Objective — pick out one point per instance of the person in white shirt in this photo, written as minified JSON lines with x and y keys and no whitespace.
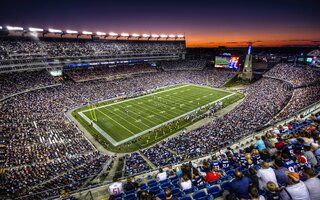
{"x":266,"y":174}
{"x":312,"y":183}
{"x":115,"y":188}
{"x":296,"y":189}
{"x":162,"y":175}
{"x":185,"y":183}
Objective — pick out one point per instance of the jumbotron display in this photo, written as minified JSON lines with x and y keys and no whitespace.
{"x":228,"y":62}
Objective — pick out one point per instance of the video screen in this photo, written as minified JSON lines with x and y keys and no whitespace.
{"x":227,"y":62}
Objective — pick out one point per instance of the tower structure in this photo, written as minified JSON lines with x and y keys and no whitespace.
{"x":247,"y":69}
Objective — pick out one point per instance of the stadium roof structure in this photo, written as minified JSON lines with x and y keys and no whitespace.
{"x":113,"y":35}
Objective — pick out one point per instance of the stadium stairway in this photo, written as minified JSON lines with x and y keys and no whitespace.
{"x":113,"y":169}
{"x":147,"y":160}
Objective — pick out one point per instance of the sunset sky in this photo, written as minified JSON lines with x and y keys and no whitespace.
{"x":206,"y":23}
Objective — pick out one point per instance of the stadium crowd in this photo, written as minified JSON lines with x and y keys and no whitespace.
{"x":183,"y":65}
{"x":298,"y":75}
{"x":283,"y":163}
{"x":301,"y":98}
{"x":35,"y":133}
{"x":38,"y":140}
{"x":27,"y":48}
{"x":11,"y":83}
{"x":134,"y":164}
{"x":81,"y":74}
{"x":160,"y":156}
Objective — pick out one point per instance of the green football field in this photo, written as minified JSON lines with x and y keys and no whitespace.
{"x":122,"y":121}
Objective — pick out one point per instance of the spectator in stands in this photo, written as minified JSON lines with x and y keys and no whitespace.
{"x":115,"y":188}
{"x":296,"y":189}
{"x":260,"y":144}
{"x":185,"y":182}
{"x":310,"y":156}
{"x":254,"y":193}
{"x":272,"y":191}
{"x":161,"y":176}
{"x":253,"y":176}
{"x":280,"y":172}
{"x":265,"y":175}
{"x":131,"y":184}
{"x":312,"y":183}
{"x":240,"y":185}
{"x":169,"y":195}
{"x":211,"y":176}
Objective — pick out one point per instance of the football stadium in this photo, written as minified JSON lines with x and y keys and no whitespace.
{"x":97,"y":115}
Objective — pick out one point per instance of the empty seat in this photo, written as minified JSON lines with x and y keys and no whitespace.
{"x":185,"y":198}
{"x":215,"y":191}
{"x":130,"y":197}
{"x":152,"y":183}
{"x":199,"y":194}
{"x":176,"y":192}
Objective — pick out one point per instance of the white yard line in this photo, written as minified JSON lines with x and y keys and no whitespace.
{"x":115,"y":143}
{"x":138,"y":97}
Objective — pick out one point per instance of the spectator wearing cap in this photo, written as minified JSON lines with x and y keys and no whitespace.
{"x":312,"y":183}
{"x":240,"y":185}
{"x":265,"y":175}
{"x":296,"y":189}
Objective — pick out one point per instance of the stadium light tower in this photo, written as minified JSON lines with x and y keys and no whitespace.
{"x":86,"y":33}
{"x":180,"y":36}
{"x":113,"y":34}
{"x":71,"y":32}
{"x":0,"y":27}
{"x":51,"y":30}
{"x":35,"y":29}
{"x":124,"y":34}
{"x":145,"y":35}
{"x":101,"y":33}
{"x":14,"y":28}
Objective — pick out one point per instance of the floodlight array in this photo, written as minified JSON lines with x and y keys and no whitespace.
{"x":71,"y":32}
{"x":35,"y":29}
{"x":98,"y":33}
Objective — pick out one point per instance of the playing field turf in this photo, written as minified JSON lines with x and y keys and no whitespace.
{"x":123,"y":121}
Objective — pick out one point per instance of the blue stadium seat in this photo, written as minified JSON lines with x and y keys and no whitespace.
{"x":185,"y":198}
{"x":212,"y":182}
{"x":152,"y":183}
{"x":161,"y":196}
{"x":215,"y":191}
{"x":155,"y":189}
{"x":225,"y":185}
{"x":207,"y":197}
{"x":176,"y":192}
{"x":199,"y":194}
{"x":164,"y":181}
{"x":143,"y":186}
{"x":130,"y":192}
{"x":201,"y":186}
{"x":166,"y":185}
{"x":176,"y":184}
{"x":189,"y":191}
{"x":130,"y":197}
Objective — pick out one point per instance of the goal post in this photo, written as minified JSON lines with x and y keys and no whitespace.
{"x":93,"y":114}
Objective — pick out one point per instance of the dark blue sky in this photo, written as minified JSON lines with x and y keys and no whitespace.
{"x":205,"y":23}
